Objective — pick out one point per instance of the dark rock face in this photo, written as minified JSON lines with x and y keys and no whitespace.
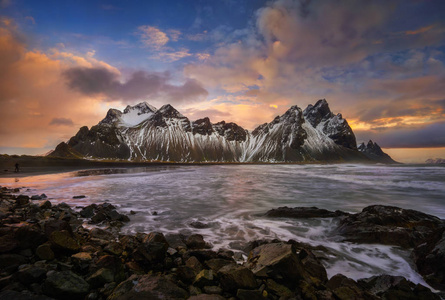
{"x":65,"y":151}
{"x":389,"y":225}
{"x":65,"y":284}
{"x":375,"y":153}
{"x":430,"y":260}
{"x":148,"y":287}
{"x":202,"y":126}
{"x":303,"y":213}
{"x":231,"y":131}
{"x":333,"y":126}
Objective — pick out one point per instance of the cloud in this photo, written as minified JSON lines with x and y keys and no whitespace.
{"x":152,"y":37}
{"x":214,"y":115}
{"x":61,"y":121}
{"x":171,"y":56}
{"x":420,"y":30}
{"x":33,"y":94}
{"x":140,"y":85}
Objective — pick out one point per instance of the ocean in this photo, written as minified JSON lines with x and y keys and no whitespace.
{"x":231,"y":201}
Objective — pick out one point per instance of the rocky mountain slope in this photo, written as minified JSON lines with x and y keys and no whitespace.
{"x":144,"y":133}
{"x":375,"y":153}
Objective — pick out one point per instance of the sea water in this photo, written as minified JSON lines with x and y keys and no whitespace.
{"x":231,"y":201}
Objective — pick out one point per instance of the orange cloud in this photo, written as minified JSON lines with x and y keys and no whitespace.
{"x":33,"y":94}
{"x":420,"y":30}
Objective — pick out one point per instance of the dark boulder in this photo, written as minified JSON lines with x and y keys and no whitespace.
{"x":233,"y":277}
{"x":278,"y":261}
{"x":66,"y":285}
{"x":430,"y":260}
{"x":303,"y":213}
{"x":147,"y":287}
{"x":389,"y":225}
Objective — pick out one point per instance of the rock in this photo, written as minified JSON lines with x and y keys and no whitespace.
{"x":430,"y":261}
{"x":11,"y":261}
{"x":45,"y":205}
{"x":63,"y":240}
{"x":66,"y":285}
{"x":36,"y":197}
{"x":14,"y":295}
{"x":87,"y":212}
{"x":303,"y":213}
{"x":201,"y":254}
{"x":312,"y":265}
{"x":278,"y":261}
{"x":100,"y":277}
{"x":147,"y":287}
{"x":8,"y":243}
{"x":194,"y":264}
{"x":206,"y":297}
{"x":205,"y":277}
{"x":199,"y":225}
{"x":29,"y":235}
{"x":196,"y":241}
{"x":389,"y":225}
{"x":217,"y":263}
{"x":279,"y":290}
{"x":212,"y":289}
{"x":101,"y":234}
{"x":45,"y":252}
{"x":98,"y":217}
{"x":22,"y":200}
{"x":79,"y":197}
{"x":233,"y":277}
{"x":249,"y":295}
{"x":345,"y":288}
{"x":82,"y":260}
{"x":396,"y":287}
{"x":30,"y":274}
{"x":152,"y":249}
{"x":56,"y":225}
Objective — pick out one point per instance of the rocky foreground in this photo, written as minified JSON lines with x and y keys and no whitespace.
{"x":47,"y":253}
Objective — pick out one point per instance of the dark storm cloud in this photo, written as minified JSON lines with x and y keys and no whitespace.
{"x":141,"y":84}
{"x":61,"y":121}
{"x":424,"y":137}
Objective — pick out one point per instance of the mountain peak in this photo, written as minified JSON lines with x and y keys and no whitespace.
{"x":169,"y":111}
{"x":142,"y":108}
{"x":317,"y":113}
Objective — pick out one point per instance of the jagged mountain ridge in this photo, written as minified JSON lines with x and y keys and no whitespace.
{"x":144,"y":133}
{"x":374,"y":152}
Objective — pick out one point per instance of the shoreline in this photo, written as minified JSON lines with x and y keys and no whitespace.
{"x":101,"y":263}
{"x":40,"y":165}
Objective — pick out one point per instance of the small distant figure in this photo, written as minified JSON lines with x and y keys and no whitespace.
{"x":16,"y":168}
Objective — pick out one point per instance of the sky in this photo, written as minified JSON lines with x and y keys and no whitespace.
{"x":381,"y":64}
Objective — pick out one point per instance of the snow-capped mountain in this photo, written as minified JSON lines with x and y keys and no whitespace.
{"x":144,"y":133}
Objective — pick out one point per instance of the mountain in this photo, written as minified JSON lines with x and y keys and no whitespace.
{"x":144,"y":133}
{"x":375,"y":153}
{"x":435,"y":161}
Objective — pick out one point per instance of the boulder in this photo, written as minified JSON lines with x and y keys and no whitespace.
{"x":205,"y":277}
{"x":66,"y":285}
{"x":303,"y":213}
{"x":430,"y":261}
{"x":45,"y":252}
{"x":63,"y":240}
{"x":396,"y":287}
{"x":30,"y":274}
{"x":22,"y":200}
{"x":278,"y":261}
{"x":233,"y":277}
{"x":45,"y":204}
{"x":147,"y":287}
{"x":242,"y":294}
{"x":196,"y":241}
{"x":14,"y":295}
{"x":389,"y":225}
